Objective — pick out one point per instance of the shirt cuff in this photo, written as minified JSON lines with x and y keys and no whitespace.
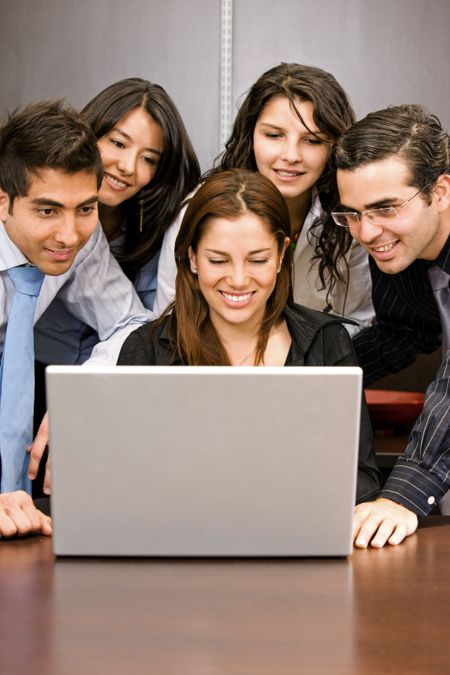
{"x":414,"y":488}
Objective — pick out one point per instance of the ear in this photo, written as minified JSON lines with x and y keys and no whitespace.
{"x":286,"y":243}
{"x":192,"y":260}
{"x":442,"y":193}
{"x":4,"y":205}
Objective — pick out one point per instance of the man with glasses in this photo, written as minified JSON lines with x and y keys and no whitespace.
{"x":393,"y":177}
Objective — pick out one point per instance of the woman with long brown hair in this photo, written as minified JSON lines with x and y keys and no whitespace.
{"x":233,"y":302}
{"x":285,"y":128}
{"x":150,"y":167}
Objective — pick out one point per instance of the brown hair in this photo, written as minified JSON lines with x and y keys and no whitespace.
{"x":333,"y":114}
{"x":228,"y":194}
{"x":45,"y":135}
{"x":178,"y":170}
{"x":410,"y":132}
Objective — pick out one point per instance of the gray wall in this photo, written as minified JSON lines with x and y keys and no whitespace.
{"x":382,"y":51}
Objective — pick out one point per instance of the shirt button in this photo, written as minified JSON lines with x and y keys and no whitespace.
{"x":431,"y":500}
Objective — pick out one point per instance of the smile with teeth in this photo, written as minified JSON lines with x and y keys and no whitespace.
{"x":285,"y":173}
{"x":115,"y":182}
{"x":237,"y":297}
{"x":385,"y":247}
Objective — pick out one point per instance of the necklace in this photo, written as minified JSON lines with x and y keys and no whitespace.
{"x":247,"y":357}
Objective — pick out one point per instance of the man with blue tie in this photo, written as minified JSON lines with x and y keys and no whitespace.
{"x":50,"y":243}
{"x":393,"y":176}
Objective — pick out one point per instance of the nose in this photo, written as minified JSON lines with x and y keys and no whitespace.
{"x":290,"y":152}
{"x":238,"y":277}
{"x":365,"y":230}
{"x":67,"y":231}
{"x":127,"y":162}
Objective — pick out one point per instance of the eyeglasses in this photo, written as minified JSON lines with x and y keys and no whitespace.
{"x":380,"y":216}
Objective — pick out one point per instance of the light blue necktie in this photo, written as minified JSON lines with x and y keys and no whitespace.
{"x":440,"y":283}
{"x":17,"y":381}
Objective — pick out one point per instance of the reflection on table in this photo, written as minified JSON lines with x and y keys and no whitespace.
{"x":378,"y":611}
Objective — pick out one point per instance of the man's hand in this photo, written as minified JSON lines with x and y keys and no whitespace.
{"x":36,"y":451}
{"x":382,"y":521}
{"x":19,"y":516}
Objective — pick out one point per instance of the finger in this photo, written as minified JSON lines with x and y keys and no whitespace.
{"x":37,"y":448}
{"x":45,"y":524}
{"x":7,"y":526}
{"x":32,"y":515}
{"x":360,"y":514}
{"x":21,"y":521}
{"x":366,"y":532}
{"x":47,"y":478}
{"x":384,"y":532}
{"x":398,"y":535}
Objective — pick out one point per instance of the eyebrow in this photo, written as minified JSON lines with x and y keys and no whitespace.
{"x":255,"y":252}
{"x":128,"y":137}
{"x":44,"y":201}
{"x":379,"y":204}
{"x":313,"y":132}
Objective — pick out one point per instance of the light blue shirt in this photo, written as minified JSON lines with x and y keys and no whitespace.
{"x":94,"y":290}
{"x":60,"y":338}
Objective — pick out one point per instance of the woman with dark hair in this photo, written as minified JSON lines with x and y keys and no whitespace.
{"x":149,"y":169}
{"x":285,"y":129}
{"x":233,"y":296}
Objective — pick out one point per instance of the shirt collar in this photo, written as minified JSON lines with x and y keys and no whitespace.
{"x":443,"y":259}
{"x":10,"y":255}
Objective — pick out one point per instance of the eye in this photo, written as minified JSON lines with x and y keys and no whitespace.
{"x":259,"y":261}
{"x":117,"y":143}
{"x":272,"y":134}
{"x":87,"y":210}
{"x":151,"y":161}
{"x":46,"y":212}
{"x":313,"y":141}
{"x":387,"y":212}
{"x":216,"y":261}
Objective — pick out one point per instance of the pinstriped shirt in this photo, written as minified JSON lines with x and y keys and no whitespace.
{"x":408,"y":323}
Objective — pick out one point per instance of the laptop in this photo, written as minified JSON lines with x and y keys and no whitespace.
{"x":203,"y":461}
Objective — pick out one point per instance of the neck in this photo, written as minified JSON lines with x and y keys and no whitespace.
{"x":439,"y":240}
{"x":239,"y":340}
{"x":111,"y":218}
{"x":298,"y":210}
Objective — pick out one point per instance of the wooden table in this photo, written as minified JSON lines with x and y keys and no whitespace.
{"x":380,"y":611}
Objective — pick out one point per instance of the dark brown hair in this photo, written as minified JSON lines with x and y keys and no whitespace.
{"x":333,"y":114}
{"x":228,"y":194}
{"x":178,"y":170}
{"x":45,"y":135}
{"x":408,"y":131}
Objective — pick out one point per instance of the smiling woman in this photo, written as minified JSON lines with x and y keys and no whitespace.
{"x":285,"y":129}
{"x":233,"y":304}
{"x":149,"y":169}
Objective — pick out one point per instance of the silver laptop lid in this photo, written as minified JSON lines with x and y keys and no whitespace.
{"x":203,"y":461}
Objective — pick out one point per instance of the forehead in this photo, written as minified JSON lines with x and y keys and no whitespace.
{"x":279,"y":107}
{"x":140,"y":126}
{"x":246,"y":230}
{"x":386,"y":179}
{"x":58,"y":185}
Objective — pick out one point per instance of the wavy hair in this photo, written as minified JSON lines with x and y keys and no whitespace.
{"x":178,"y":170}
{"x":228,"y":194}
{"x":333,"y":114}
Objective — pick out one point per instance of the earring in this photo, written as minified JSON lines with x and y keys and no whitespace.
{"x":141,"y":214}
{"x":194,"y":270}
